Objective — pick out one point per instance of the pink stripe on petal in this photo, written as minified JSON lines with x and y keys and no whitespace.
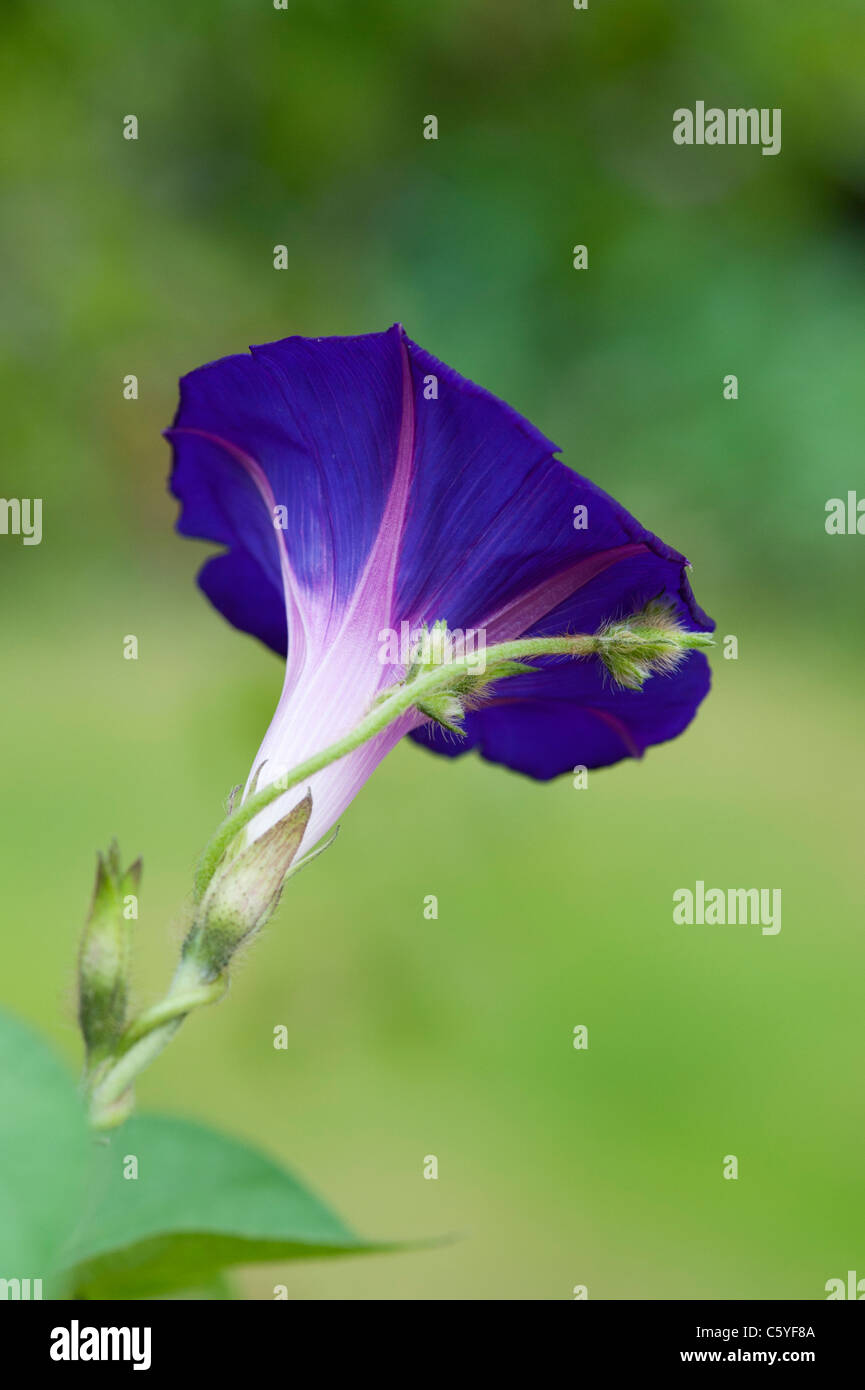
{"x":338,"y":692}
{"x":619,"y":727}
{"x":522,"y":613}
{"x":371,"y":605}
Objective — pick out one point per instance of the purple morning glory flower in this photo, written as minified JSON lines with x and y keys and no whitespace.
{"x":358,"y":484}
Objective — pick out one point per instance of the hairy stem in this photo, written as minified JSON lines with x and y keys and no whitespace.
{"x":144,"y":1039}
{"x":401,"y":698}
{"x":631,"y":649}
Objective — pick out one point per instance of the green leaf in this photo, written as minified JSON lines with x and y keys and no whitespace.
{"x":44,"y":1148}
{"x":201,"y":1201}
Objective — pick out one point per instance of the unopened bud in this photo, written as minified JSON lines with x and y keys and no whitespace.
{"x":103,"y":962}
{"x":244,"y":892}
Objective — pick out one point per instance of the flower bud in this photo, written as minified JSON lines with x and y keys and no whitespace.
{"x":244,"y":892}
{"x":103,"y":962}
{"x":445,"y":709}
{"x":462,"y":687}
{"x":651,"y":642}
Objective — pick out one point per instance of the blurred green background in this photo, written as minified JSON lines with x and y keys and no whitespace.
{"x":453,"y":1037}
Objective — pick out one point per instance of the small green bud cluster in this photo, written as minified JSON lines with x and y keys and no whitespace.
{"x":465,"y":682}
{"x":651,"y":642}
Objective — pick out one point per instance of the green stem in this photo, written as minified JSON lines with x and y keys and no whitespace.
{"x":404,"y":697}
{"x":144,"y":1039}
{"x":631,"y":650}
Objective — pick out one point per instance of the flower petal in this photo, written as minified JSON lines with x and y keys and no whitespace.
{"x":244,"y":593}
{"x":491,"y":538}
{"x":321,"y":419}
{"x":567,"y":716}
{"x":402,"y":492}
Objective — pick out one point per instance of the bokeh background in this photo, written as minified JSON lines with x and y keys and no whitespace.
{"x":409,"y":1037}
